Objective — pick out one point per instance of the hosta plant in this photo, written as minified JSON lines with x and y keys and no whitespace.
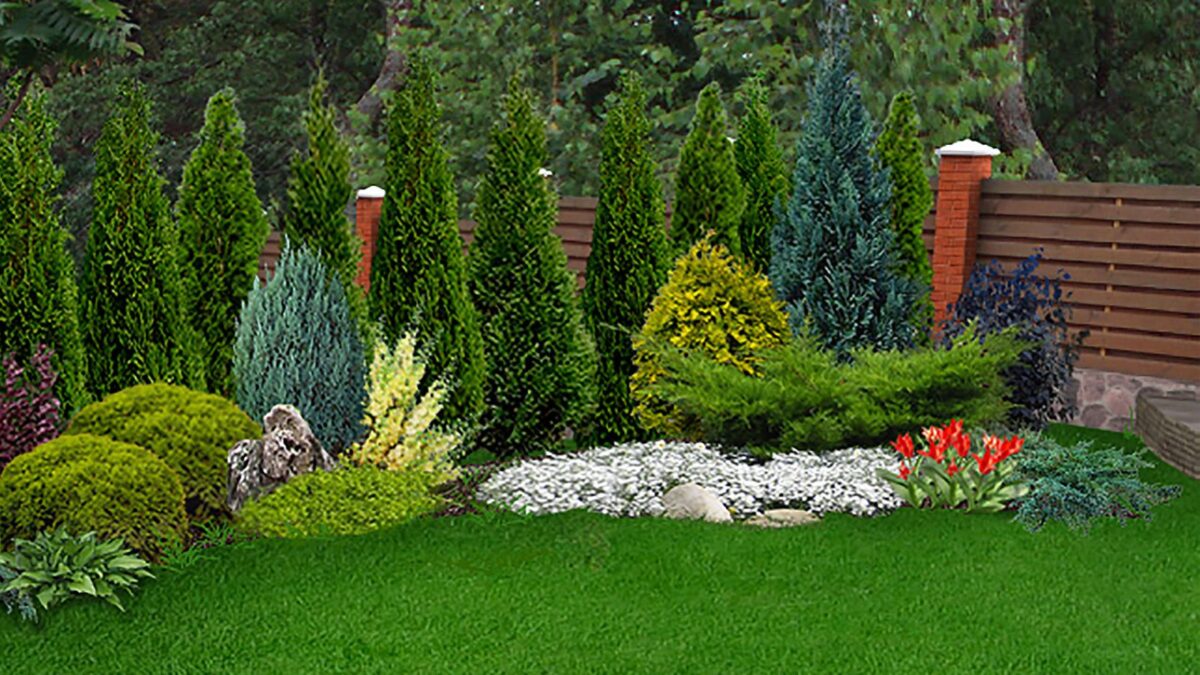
{"x":940,"y":478}
{"x":400,"y":417}
{"x":54,"y":567}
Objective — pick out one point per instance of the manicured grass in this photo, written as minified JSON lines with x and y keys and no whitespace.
{"x":919,"y":592}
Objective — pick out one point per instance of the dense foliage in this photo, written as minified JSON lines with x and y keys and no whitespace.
{"x":30,"y":413}
{"x":833,"y":261}
{"x":1078,"y":484}
{"x":351,"y":500}
{"x":222,"y":230}
{"x":56,"y":566}
{"x":38,"y":296}
{"x":715,"y":306}
{"x":131,"y":494}
{"x":708,"y":192}
{"x":803,"y":397}
{"x":761,"y":168}
{"x":401,"y":434}
{"x":132,"y":320}
{"x":191,"y":431}
{"x":628,"y":260}
{"x":541,"y":360}
{"x":418,"y":273}
{"x":899,"y":150}
{"x":997,"y":300}
{"x":297,"y":344}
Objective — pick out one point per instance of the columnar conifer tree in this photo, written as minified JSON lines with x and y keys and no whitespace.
{"x":222,"y":229}
{"x":38,"y":296}
{"x":832,"y":251}
{"x":318,"y":192}
{"x":628,"y":262}
{"x":541,"y":361}
{"x":418,"y":275}
{"x":899,"y":150}
{"x":132,"y":312}
{"x":708,"y":192}
{"x":761,"y":168}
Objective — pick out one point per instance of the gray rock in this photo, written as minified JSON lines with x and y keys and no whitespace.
{"x":692,"y":502}
{"x":287,"y":449}
{"x":783,"y":518}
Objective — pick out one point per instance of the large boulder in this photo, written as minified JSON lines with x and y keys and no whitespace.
{"x":287,"y":449}
{"x":692,"y":502}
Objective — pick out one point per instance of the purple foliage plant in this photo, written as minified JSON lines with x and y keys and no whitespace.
{"x":30,"y":413}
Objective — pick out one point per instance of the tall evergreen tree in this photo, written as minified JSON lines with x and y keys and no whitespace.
{"x":708,"y":192}
{"x":132,"y":318}
{"x":832,"y":257}
{"x":541,"y":361}
{"x":628,"y":262}
{"x":38,"y":296}
{"x":318,"y":192}
{"x":899,"y":150}
{"x":222,"y":229}
{"x":761,"y":168}
{"x":418,"y":275}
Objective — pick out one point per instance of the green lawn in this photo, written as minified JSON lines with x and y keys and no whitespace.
{"x":910,"y":592}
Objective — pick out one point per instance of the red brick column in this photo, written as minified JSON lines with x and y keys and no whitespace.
{"x":963,"y":166}
{"x":366,"y":221}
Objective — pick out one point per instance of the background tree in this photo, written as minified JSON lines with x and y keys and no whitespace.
{"x":832,"y":259}
{"x":132,"y":319}
{"x":899,"y":150}
{"x":38,"y":296}
{"x":761,"y":168}
{"x":418,"y":274}
{"x":541,"y":361}
{"x":222,"y":230}
{"x":708,"y":192}
{"x":628,"y":262}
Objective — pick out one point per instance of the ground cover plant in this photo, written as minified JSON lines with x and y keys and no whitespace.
{"x":551,"y":592}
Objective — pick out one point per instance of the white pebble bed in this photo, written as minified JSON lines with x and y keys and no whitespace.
{"x":630,"y":480}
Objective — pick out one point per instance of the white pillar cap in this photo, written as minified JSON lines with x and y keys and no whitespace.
{"x":967,"y":148}
{"x":373,"y":192}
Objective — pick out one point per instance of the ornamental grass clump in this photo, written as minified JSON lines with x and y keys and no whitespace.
{"x":400,"y":418}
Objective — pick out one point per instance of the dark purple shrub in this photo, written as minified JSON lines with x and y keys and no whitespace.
{"x":30,"y":413}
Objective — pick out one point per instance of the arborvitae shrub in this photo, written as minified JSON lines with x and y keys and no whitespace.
{"x":191,"y":431}
{"x":1036,"y":305}
{"x":801,"y":396}
{"x":132,"y":318}
{"x":351,"y":500}
{"x":713,"y":305}
{"x":90,"y":483}
{"x":297,"y":344}
{"x":761,"y":168}
{"x":832,"y":258}
{"x":628,"y":262}
{"x":222,"y":230}
{"x":318,"y":192}
{"x":708,"y":192}
{"x":418,"y":274}
{"x":38,"y":296}
{"x":30,"y":414}
{"x":541,"y":360}
{"x":899,"y":151}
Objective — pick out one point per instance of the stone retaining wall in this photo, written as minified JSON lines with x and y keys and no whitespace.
{"x":1107,"y":400}
{"x":1171,"y":427}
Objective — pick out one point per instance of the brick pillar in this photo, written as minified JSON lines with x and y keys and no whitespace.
{"x":367,"y":208}
{"x":963,"y":166}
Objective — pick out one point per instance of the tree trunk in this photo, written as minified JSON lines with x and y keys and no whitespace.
{"x":1011,"y":109}
{"x":398,"y":18}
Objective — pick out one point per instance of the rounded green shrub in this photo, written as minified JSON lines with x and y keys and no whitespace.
{"x":191,"y":431}
{"x":352,"y":500}
{"x":89,"y":483}
{"x":712,"y":304}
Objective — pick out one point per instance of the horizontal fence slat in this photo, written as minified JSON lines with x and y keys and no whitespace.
{"x":1171,"y":304}
{"x":1057,"y":254}
{"x":1174,"y":193}
{"x":1146,"y":366}
{"x":1097,"y":210}
{"x":1090,"y":231}
{"x":1178,"y":347}
{"x":1097,"y":318}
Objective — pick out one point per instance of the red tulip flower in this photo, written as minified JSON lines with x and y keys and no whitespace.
{"x":904,"y":471}
{"x":904,"y":445}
